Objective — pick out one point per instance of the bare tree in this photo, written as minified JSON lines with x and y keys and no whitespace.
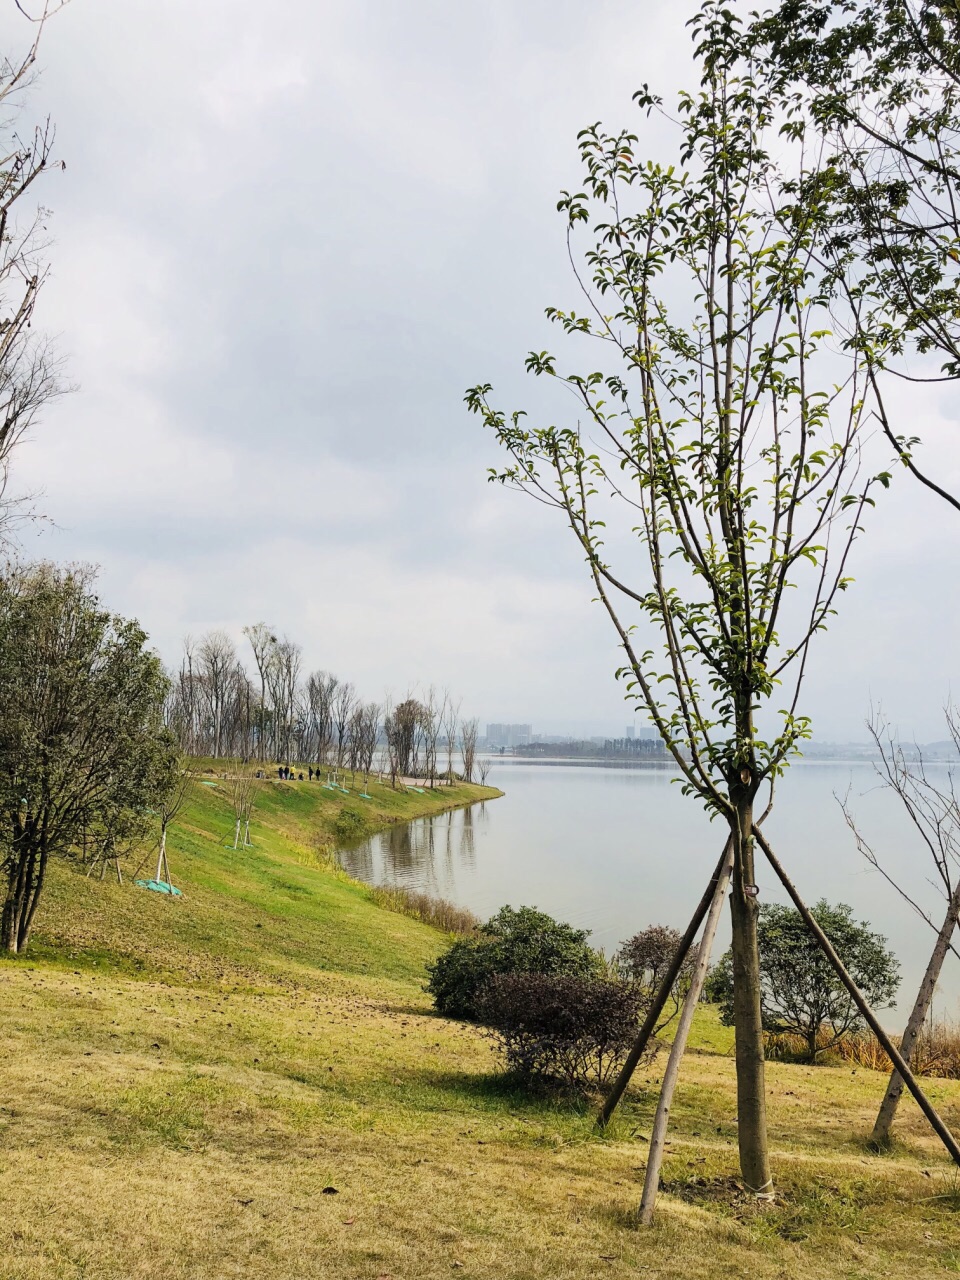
{"x":217,"y":659}
{"x":168,"y":808}
{"x":368,"y":735}
{"x":933,"y":807}
{"x":433,"y":711}
{"x":185,"y":711}
{"x":244,"y":790}
{"x":468,"y":746}
{"x":283,"y":678}
{"x":262,"y":641}
{"x":321,"y":688}
{"x":30,"y":370}
{"x":451,"y":725}
{"x":403,"y":726}
{"x":484,"y":765}
{"x":344,"y":701}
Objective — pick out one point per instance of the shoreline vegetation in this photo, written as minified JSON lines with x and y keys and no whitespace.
{"x":251,"y":1078}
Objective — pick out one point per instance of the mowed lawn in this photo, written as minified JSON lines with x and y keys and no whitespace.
{"x":249,"y":1082}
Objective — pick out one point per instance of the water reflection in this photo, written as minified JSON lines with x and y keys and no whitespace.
{"x":431,"y":855}
{"x":613,"y":850}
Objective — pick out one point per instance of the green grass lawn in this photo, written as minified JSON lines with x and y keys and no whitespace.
{"x":184,"y":1081}
{"x":278,"y":911}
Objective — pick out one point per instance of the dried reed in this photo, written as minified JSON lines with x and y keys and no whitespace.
{"x":438,"y":912}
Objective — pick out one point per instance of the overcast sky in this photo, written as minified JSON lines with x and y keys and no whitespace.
{"x":287,"y":238}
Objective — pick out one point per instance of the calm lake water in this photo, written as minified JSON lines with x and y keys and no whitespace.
{"x":613,"y":849}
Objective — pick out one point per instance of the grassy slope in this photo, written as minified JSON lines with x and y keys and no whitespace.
{"x":183,"y":1079}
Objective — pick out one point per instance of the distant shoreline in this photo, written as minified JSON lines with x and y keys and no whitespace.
{"x":605,"y":762}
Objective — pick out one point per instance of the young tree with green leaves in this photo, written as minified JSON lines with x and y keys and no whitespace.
{"x":82,"y":739}
{"x":876,"y":84}
{"x":724,"y":443}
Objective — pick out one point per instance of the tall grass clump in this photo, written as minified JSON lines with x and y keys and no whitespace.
{"x":438,"y":912}
{"x":937,"y":1052}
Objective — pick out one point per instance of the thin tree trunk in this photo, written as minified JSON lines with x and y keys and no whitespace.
{"x":8,"y":923}
{"x":661,"y":997}
{"x":658,"y":1137}
{"x":941,"y":1130}
{"x":812,"y":1045}
{"x":748,"y":1027}
{"x":15,"y":907}
{"x":33,"y":898}
{"x":891,"y":1099}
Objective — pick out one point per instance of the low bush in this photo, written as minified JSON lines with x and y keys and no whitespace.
{"x":437,"y":912}
{"x":349,"y":825}
{"x":575,"y":1031}
{"x":521,"y":941}
{"x":646,"y":957}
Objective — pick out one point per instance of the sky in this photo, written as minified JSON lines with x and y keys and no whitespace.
{"x":286,"y":240}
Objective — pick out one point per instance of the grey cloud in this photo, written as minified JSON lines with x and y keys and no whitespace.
{"x":287,"y":240}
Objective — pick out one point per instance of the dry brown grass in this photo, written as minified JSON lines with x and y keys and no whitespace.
{"x":155,"y":1131}
{"x":438,"y":912}
{"x":180,"y":1081}
{"x":937,"y":1053}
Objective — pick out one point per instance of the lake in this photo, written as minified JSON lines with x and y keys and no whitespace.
{"x":613,"y":849}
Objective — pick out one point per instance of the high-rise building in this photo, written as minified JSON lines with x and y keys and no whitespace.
{"x":630,"y":731}
{"x":508,"y":735}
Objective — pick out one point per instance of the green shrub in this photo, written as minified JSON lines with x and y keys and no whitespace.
{"x":800,"y":994}
{"x":522,"y":941}
{"x":349,"y":825}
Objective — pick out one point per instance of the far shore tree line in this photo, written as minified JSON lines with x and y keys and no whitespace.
{"x":281,"y":713}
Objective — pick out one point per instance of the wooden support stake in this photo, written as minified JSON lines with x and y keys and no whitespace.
{"x":658,"y":1136}
{"x":941,"y":1130}
{"x":660,"y":999}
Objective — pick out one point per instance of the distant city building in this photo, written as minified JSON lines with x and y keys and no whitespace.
{"x":508,"y":735}
{"x":630,"y":731}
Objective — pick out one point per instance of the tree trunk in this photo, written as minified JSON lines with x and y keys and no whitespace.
{"x":20,"y":877}
{"x":8,"y":924}
{"x":812,"y":1045}
{"x":32,"y":899}
{"x":891,"y":1099}
{"x":748,"y":1028}
{"x":651,"y":1182}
